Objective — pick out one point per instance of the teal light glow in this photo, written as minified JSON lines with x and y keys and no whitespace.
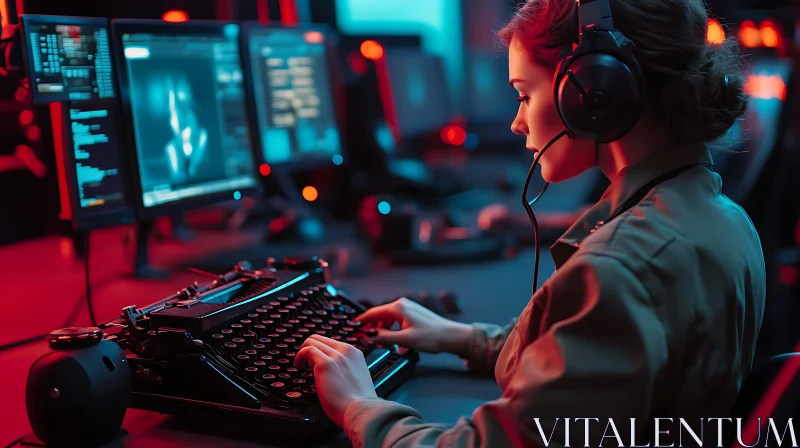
{"x":437,"y":21}
{"x":384,"y":208}
{"x":338,"y":159}
{"x":237,"y":195}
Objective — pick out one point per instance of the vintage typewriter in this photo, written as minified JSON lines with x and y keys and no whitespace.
{"x":226,"y":349}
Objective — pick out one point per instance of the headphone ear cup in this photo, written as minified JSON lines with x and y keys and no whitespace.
{"x":598,"y":96}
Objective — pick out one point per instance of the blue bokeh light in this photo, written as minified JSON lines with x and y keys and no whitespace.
{"x":338,"y":159}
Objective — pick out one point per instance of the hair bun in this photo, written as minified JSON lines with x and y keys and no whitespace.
{"x":701,"y":104}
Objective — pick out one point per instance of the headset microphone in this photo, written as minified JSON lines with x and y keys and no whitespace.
{"x":598,"y":88}
{"x":528,"y":203}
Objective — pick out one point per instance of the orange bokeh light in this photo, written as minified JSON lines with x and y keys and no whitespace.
{"x":310,"y":193}
{"x":749,"y":35}
{"x":715,"y":34}
{"x":314,"y":37}
{"x":371,"y":50}
{"x":770,"y":36}
{"x":765,"y":87}
{"x":175,"y":16}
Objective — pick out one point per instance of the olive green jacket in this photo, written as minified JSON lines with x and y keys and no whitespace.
{"x":654,"y":314}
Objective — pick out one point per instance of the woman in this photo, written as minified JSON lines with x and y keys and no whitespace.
{"x":653,"y":314}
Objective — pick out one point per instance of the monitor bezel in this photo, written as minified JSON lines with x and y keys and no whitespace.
{"x":123,"y":26}
{"x":27,"y":20}
{"x":331,"y":44}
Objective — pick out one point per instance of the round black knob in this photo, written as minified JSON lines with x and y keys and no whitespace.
{"x":74,"y":338}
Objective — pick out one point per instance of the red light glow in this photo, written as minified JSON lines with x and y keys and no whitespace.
{"x":372,"y":50}
{"x":26,"y":117}
{"x":175,"y":16}
{"x":357,"y":63}
{"x":454,"y":135}
{"x":715,"y":34}
{"x":264,"y":169}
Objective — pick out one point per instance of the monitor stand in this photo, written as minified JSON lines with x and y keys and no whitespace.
{"x":141,"y":267}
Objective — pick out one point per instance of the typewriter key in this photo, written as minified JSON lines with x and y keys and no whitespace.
{"x":244,"y":361}
{"x":266,"y":342}
{"x":238,"y":329}
{"x":227,"y":333}
{"x":284,"y":376}
{"x":269,"y":324}
{"x":293,"y":371}
{"x":268,"y":360}
{"x":289,"y":341}
{"x":251,"y":373}
{"x":294,"y":396}
{"x":249,"y":338}
{"x":274,"y":353}
{"x":260,"y":349}
{"x":231,"y":350}
{"x":291,"y":354}
{"x":246,"y":324}
{"x":274,"y":368}
{"x":299,"y":382}
{"x":316,"y":320}
{"x":260,"y":330}
{"x":267,"y":377}
{"x":334,"y":323}
{"x":277,"y":387}
{"x":251,"y":353}
{"x":340,"y":316}
{"x":217,"y":340}
{"x":281,"y":348}
{"x":283,"y":362}
{"x":336,"y":337}
{"x":260,"y":365}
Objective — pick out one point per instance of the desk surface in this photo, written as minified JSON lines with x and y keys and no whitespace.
{"x":42,"y":274}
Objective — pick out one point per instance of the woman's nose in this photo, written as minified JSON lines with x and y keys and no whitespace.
{"x":518,"y":126}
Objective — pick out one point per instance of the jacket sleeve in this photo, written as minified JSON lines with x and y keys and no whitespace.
{"x":485,"y":344}
{"x":602,"y":349}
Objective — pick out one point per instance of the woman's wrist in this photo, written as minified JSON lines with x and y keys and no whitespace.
{"x":457,"y":337}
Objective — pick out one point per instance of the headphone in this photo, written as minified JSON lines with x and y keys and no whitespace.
{"x":599,"y":87}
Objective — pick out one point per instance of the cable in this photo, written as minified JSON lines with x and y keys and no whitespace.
{"x":88,"y":283}
{"x":14,"y":443}
{"x":527,"y":204}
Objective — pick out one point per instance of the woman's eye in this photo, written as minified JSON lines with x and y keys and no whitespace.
{"x":523,"y":99}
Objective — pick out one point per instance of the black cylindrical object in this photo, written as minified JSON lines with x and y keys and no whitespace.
{"x":77,"y":393}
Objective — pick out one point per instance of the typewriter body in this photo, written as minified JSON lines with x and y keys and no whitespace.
{"x":226,"y":349}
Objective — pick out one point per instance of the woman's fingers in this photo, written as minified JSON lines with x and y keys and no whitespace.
{"x":310,"y":356}
{"x":380,"y":314}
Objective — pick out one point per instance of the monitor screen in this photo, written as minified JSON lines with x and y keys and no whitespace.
{"x":68,"y":58}
{"x":98,"y":189}
{"x":293,"y":96}
{"x":188,"y":112}
{"x":420,"y":92}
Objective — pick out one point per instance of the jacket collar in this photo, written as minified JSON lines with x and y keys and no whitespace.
{"x":622,"y":188}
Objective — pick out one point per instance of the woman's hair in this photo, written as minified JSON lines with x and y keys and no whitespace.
{"x":697,"y":88}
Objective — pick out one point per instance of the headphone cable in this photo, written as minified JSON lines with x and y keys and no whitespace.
{"x":528,"y":203}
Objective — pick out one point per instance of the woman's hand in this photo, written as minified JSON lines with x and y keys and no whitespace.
{"x":420,"y":328}
{"x":340,"y":374}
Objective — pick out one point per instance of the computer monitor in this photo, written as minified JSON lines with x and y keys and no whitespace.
{"x":184,"y":98}
{"x":419,"y":88}
{"x":69,"y":63}
{"x":291,"y":79}
{"x":68,"y":58}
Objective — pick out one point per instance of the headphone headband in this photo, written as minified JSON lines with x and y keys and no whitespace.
{"x":595,"y":12}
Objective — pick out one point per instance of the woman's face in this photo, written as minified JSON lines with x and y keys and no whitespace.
{"x":538,"y":119}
